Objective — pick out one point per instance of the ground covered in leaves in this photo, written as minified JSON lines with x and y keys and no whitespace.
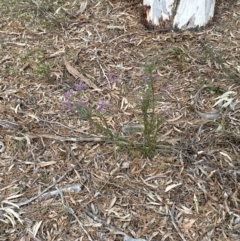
{"x":61,"y":180}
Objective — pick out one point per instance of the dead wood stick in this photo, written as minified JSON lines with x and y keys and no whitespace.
{"x":70,"y":210}
{"x":86,"y":139}
{"x":104,"y":223}
{"x":79,"y":222}
{"x":49,"y":187}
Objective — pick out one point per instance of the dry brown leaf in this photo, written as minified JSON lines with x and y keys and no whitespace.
{"x":189,"y":224}
{"x":45,"y":164}
{"x":112,"y":202}
{"x":125,"y":165}
{"x":77,"y":75}
{"x":168,"y":188}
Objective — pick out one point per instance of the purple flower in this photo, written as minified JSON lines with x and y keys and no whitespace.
{"x":80,"y":86}
{"x":67,"y":105}
{"x":113,"y":77}
{"x":68,"y":94}
{"x":102,"y":104}
{"x":81,"y":103}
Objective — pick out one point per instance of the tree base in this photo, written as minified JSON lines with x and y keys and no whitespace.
{"x":173,"y":14}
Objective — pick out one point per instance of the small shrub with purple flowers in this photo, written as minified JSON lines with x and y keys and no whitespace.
{"x":151,"y":120}
{"x":94,"y":113}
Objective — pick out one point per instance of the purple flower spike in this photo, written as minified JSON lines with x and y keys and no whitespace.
{"x":102,"y":104}
{"x":68,"y":94}
{"x":113,"y":77}
{"x":67,"y":105}
{"x":80,"y":86}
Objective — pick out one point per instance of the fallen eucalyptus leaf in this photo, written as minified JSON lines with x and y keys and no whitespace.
{"x":77,"y":75}
{"x":212,"y":115}
{"x":224,"y":98}
{"x":2,"y":147}
{"x":133,"y":239}
{"x":168,"y":188}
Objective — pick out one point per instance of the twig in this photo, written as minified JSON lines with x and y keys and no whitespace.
{"x":98,"y":33}
{"x":171,"y":212}
{"x":79,"y":222}
{"x":61,"y":138}
{"x":70,"y":210}
{"x":121,"y":36}
{"x":85,"y":139}
{"x":104,"y":223}
{"x":49,"y":187}
{"x":74,"y":188}
{"x":103,"y":72}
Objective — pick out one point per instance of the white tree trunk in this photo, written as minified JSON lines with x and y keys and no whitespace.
{"x":188,"y":13}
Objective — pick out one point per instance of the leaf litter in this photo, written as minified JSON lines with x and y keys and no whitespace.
{"x":189,"y":190}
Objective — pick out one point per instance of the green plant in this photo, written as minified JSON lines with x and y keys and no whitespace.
{"x":20,"y":145}
{"x":151,"y":119}
{"x":178,"y":52}
{"x":204,"y":81}
{"x":66,"y":209}
{"x":17,"y":190}
{"x":2,"y":231}
{"x":96,"y":115}
{"x":43,"y":69}
{"x":45,"y":176}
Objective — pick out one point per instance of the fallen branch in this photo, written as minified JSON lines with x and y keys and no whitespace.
{"x":60,"y":138}
{"x":164,"y":145}
{"x":79,"y":222}
{"x":71,"y":211}
{"x":104,"y":223}
{"x":49,"y":187}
